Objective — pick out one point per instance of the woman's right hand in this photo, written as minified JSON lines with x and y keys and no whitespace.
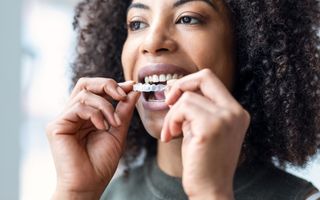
{"x":88,"y":138}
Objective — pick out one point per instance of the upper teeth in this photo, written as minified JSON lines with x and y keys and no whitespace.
{"x":161,"y":78}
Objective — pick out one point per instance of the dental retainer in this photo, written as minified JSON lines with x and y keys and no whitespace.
{"x":139,"y":87}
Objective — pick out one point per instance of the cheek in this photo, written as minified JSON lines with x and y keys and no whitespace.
{"x":213,"y":51}
{"x":128,"y":60}
{"x":203,"y":50}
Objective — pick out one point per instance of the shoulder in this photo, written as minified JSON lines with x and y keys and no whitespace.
{"x":279,"y":184}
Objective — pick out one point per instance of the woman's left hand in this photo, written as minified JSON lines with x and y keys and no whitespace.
{"x":213,"y":125}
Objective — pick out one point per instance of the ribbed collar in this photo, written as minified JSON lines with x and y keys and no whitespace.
{"x":167,"y":187}
{"x":162,"y":185}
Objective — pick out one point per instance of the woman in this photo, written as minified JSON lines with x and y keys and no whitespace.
{"x":242,"y":93}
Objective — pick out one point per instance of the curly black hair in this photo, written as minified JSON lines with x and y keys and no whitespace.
{"x":277,"y":77}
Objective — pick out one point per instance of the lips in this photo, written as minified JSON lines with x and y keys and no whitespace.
{"x":158,"y":74}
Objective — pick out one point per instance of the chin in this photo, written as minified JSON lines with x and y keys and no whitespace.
{"x":152,"y":120}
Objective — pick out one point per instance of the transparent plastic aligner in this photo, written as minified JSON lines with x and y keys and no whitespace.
{"x":148,"y":88}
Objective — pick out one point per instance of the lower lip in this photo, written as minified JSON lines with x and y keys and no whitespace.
{"x":153,"y":105}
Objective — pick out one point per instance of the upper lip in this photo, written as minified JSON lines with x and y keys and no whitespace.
{"x":160,"y":68}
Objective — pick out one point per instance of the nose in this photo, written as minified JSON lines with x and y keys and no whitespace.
{"x":158,"y":40}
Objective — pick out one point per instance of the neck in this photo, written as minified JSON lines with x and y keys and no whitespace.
{"x":169,"y":157}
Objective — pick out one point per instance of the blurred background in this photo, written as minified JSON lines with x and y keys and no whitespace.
{"x":36,"y":49}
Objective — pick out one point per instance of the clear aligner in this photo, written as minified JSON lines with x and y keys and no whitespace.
{"x":148,"y":87}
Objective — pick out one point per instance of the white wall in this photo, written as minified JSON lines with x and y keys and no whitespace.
{"x":9,"y":98}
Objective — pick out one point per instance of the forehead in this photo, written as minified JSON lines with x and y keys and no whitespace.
{"x":174,"y":3}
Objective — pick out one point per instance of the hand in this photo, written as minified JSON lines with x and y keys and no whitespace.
{"x":213,"y":125}
{"x":88,"y":138}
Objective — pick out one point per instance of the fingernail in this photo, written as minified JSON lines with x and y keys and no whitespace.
{"x":121,"y":92}
{"x":117,"y":118}
{"x":106,"y":124}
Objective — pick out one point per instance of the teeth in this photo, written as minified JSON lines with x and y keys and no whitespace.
{"x":161,"y":78}
{"x":168,"y":77}
{"x":155,"y":78}
{"x":175,"y":76}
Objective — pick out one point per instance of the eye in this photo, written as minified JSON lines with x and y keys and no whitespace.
{"x":136,"y":25}
{"x":188,"y":20}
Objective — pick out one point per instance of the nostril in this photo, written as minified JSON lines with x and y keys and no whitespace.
{"x":162,"y":49}
{"x":157,"y":51}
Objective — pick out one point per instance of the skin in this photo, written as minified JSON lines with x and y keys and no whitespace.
{"x":88,"y":138}
{"x":158,"y":40}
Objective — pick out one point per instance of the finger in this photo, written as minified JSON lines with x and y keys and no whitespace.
{"x":126,"y":107}
{"x":125,"y":110}
{"x":74,"y":118}
{"x":127,"y":86}
{"x":197,"y":106}
{"x":205,"y":81}
{"x":165,"y":135}
{"x":98,"y":102}
{"x":100,"y":86}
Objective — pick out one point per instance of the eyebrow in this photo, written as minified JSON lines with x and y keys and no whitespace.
{"x":138,"y":5}
{"x":175,"y":5}
{"x":181,"y":2}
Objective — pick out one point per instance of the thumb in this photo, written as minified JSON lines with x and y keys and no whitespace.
{"x":124,"y":110}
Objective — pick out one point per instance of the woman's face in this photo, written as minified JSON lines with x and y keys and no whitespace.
{"x":173,"y":38}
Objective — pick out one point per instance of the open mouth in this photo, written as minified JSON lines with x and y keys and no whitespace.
{"x":154,"y":79}
{"x":156,"y":75}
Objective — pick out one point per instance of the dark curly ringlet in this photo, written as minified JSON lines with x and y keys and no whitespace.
{"x":277,"y":80}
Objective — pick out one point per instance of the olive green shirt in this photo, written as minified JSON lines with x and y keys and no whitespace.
{"x":260,"y":182}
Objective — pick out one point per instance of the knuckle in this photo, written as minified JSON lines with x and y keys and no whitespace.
{"x":110,"y":83}
{"x":228,"y":115}
{"x":246,"y":115}
{"x":105,"y":105}
{"x":52,"y":129}
{"x":95,"y":113}
{"x":83,"y":94}
{"x":81,"y":84}
{"x":107,"y":87}
{"x":78,"y":105}
{"x":186,"y":97}
{"x":242,"y":113}
{"x":82,"y":81}
{"x":202,"y":138}
{"x":206,"y":72}
{"x":55,"y":131}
